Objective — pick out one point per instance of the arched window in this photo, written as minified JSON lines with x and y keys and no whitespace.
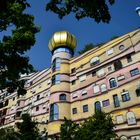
{"x":94,"y":61}
{"x":138,"y":91}
{"x":123,"y":138}
{"x":54,"y":112}
{"x":117,"y":65}
{"x":62,"y":97}
{"x":121,"y":47}
{"x":97,"y":106}
{"x":131,"y":118}
{"x":103,"y":88}
{"x":56,"y":79}
{"x":112,"y":83}
{"x":56,"y":64}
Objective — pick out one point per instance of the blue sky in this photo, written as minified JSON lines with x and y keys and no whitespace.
{"x":124,"y":19}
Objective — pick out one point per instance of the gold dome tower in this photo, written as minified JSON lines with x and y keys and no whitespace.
{"x":62,"y":39}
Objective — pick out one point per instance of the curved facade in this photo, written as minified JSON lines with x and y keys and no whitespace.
{"x":105,"y":78}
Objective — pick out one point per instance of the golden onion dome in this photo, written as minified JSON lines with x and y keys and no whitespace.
{"x":60,"y":39}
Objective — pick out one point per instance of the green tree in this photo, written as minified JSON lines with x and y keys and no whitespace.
{"x":25,"y":130}
{"x":100,"y":126}
{"x":68,"y":130}
{"x":95,"y":9}
{"x":8,"y":134}
{"x":13,"y":61}
{"x":28,"y":129}
{"x":114,"y":37}
{"x":86,"y":48}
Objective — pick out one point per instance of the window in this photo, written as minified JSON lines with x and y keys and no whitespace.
{"x":121,"y":47}
{"x":109,"y":52}
{"x":106,"y":103}
{"x":55,"y":79}
{"x":84,"y":92}
{"x":116,"y":100}
{"x":74,"y":111}
{"x":119,"y":119}
{"x":82,"y":78}
{"x":38,"y":97}
{"x":94,"y":61}
{"x":96,"y":88}
{"x":62,"y":97}
{"x":134,"y":72}
{"x":18,"y":103}
{"x":138,"y":92}
{"x":131,"y":118}
{"x":44,"y":106}
{"x":74,"y":95}
{"x":129,"y":59}
{"x":135,"y":138}
{"x":101,"y":72}
{"x":117,"y":65}
{"x":121,"y":77}
{"x":110,"y":68}
{"x":6,"y":102}
{"x":94,"y":73}
{"x":81,"y":66}
{"x":123,"y":138}
{"x":37,"y":108}
{"x":56,"y":64}
{"x":48,"y":81}
{"x":112,"y":83}
{"x":54,"y":112}
{"x":97,"y":106}
{"x":73,"y":82}
{"x":73,"y":70}
{"x":125,"y":96}
{"x":103,"y":88}
{"x":63,"y":50}
{"x":85,"y":108}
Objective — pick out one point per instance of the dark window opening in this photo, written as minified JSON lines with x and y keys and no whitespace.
{"x":112,"y":83}
{"x":56,"y":79}
{"x":74,"y":110}
{"x":134,"y":72}
{"x":129,"y":59}
{"x":37,"y":108}
{"x":73,"y":82}
{"x":116,"y":100}
{"x":125,"y":97}
{"x":94,"y":73}
{"x":97,"y":106}
{"x":54,"y":112}
{"x":62,"y":97}
{"x":56,"y":64}
{"x":117,"y":65}
{"x":38,"y":97}
{"x":138,"y":92}
{"x":85,"y":108}
{"x":73,"y":70}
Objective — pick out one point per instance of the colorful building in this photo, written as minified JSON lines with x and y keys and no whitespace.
{"x":105,"y":78}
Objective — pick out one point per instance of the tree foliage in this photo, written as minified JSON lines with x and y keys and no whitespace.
{"x":86,"y":48}
{"x":13,"y":61}
{"x":68,"y":130}
{"x":94,"y":9}
{"x":28,"y":129}
{"x":25,"y":130}
{"x":8,"y":134}
{"x":98,"y":127}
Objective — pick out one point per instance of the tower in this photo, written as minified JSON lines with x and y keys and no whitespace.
{"x":61,"y":45}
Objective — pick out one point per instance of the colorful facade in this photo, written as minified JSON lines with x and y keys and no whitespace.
{"x":105,"y":78}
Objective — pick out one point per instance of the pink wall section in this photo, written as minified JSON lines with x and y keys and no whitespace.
{"x":125,"y":71}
